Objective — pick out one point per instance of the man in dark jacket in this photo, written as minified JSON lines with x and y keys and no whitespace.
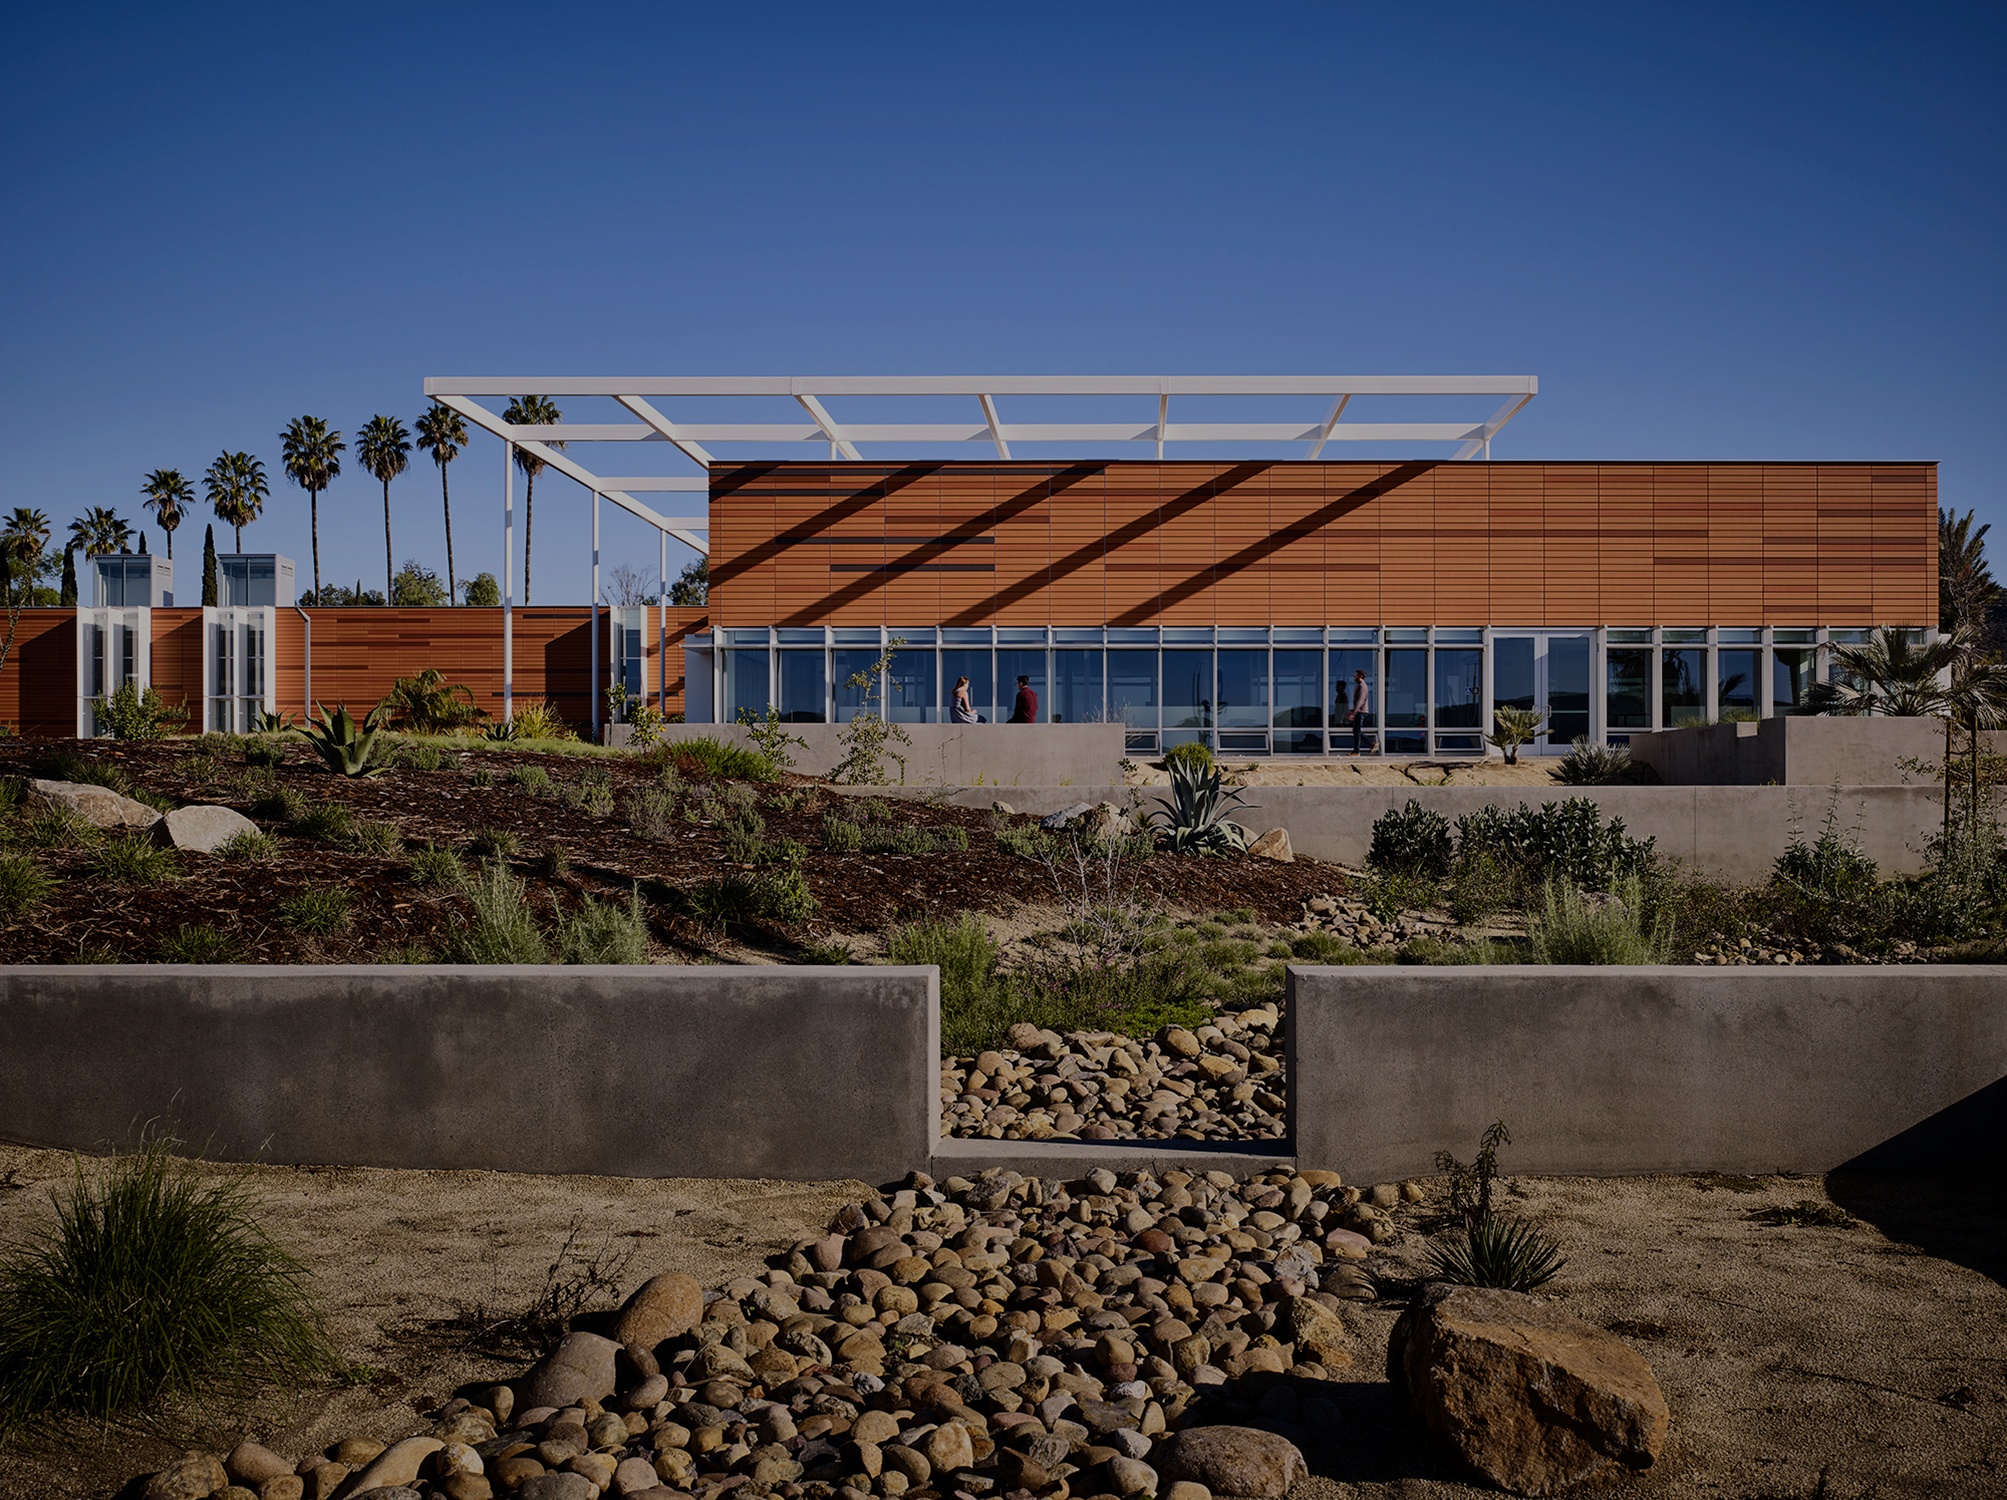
{"x":1025,"y":709}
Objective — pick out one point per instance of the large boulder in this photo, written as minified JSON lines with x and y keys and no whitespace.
{"x":1534,"y":1399}
{"x":1233,"y":1461}
{"x":662,"y":1307}
{"x":99,"y":806}
{"x":580,"y":1368}
{"x":202,"y":827}
{"x":1273,"y":845}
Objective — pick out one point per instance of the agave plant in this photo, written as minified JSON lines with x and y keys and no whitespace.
{"x":1494,"y":1251}
{"x":1194,"y":818}
{"x":499,"y":729}
{"x":344,"y":746}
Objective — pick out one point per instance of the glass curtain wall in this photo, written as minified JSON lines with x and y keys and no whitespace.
{"x":1243,"y":700}
{"x":1014,"y":662}
{"x":909,"y":687}
{"x":1459,"y":699}
{"x":1407,"y":703}
{"x":1132,"y":695}
{"x":1188,"y":697}
{"x":1076,"y":687}
{"x":1299,"y":703}
{"x":804,"y":690}
{"x":957,"y":662}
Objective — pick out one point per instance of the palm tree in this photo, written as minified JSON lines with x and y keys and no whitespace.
{"x":1892,"y":672}
{"x":384,"y":448}
{"x":442,"y":432}
{"x":1965,"y":583}
{"x":23,"y":538}
{"x":237,"y":490}
{"x":312,"y":457}
{"x":530,"y":411}
{"x":168,"y":496}
{"x":100,"y":530}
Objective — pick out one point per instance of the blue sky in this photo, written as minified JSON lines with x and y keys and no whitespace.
{"x":1712,"y":231}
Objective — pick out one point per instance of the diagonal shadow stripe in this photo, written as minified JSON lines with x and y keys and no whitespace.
{"x":879,"y":489}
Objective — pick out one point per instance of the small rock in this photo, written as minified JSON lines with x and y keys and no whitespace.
{"x":1130,"y":1476}
{"x":580,"y":1368}
{"x":1533,"y":1398}
{"x":201,"y":827}
{"x":1188,"y":1489}
{"x":663,"y":1307}
{"x":99,"y":806}
{"x":557,"y":1487}
{"x":397,"y":1465}
{"x":1235,"y":1461}
{"x":467,"y":1487}
{"x":193,"y":1476}
{"x":1273,"y":845}
{"x":251,"y":1464}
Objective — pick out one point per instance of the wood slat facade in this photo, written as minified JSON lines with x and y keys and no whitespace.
{"x":1454,"y":544}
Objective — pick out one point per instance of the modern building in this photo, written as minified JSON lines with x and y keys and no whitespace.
{"x":1234,"y":602}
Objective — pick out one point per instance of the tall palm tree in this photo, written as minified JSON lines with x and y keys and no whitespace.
{"x":168,"y":496}
{"x":442,"y":432}
{"x":530,"y":411}
{"x":1965,"y":583}
{"x":384,"y":448}
{"x":237,"y":489}
{"x":23,"y":538}
{"x":1892,"y":672}
{"x":100,"y":530}
{"x":312,"y":458}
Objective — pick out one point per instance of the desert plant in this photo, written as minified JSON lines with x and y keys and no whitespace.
{"x":533,"y":779}
{"x":868,"y":738}
{"x":131,"y":860}
{"x":428,"y":704}
{"x":493,"y":843}
{"x":1324,"y":948}
{"x":1573,"y":928}
{"x":650,"y":812}
{"x":268,"y":723}
{"x":500,"y":730}
{"x":738,"y":897}
{"x":1592,"y":763}
{"x":23,"y":884}
{"x":1193,"y":819}
{"x":367,"y":836}
{"x":58,"y":828}
{"x":1832,"y":865}
{"x":344,"y":747}
{"x":327,"y":820}
{"x":384,"y":448}
{"x":840,"y":835}
{"x":769,"y":735}
{"x":442,"y":432}
{"x":1411,"y":840}
{"x":1513,"y":727}
{"x":973,"y":994}
{"x":198,"y":943}
{"x":265,"y":754}
{"x":1495,"y":1251}
{"x":433,"y":865}
{"x":592,"y":794}
{"x":420,"y":757}
{"x":541,"y":721}
{"x":248,"y":848}
{"x":150,"y":1281}
{"x":501,"y":928}
{"x":743,"y":833}
{"x":1566,"y":840}
{"x":280,"y":805}
{"x":700,"y":756}
{"x":318,"y":911}
{"x":604,"y":932}
{"x":129,"y":714}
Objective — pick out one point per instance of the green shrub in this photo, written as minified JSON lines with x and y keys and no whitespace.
{"x":1571,"y":928}
{"x":150,"y":1282}
{"x":428,"y":704}
{"x":1561,"y":840}
{"x":198,"y":943}
{"x":248,"y":848}
{"x":1591,"y":763}
{"x":129,"y":714}
{"x":708,"y":757}
{"x":591,"y":795}
{"x":317,"y":912}
{"x":840,"y":835}
{"x":433,"y":865}
{"x":58,"y":828}
{"x":480,"y":776}
{"x":86,"y":770}
{"x":282,"y":805}
{"x":369,"y":837}
{"x":1433,"y":950}
{"x":972,"y":994}
{"x":493,"y":843}
{"x":769,"y":735}
{"x":1411,"y":840}
{"x":1025,"y":840}
{"x":533,"y":779}
{"x":501,"y":928}
{"x":420,"y":757}
{"x":743,"y":833}
{"x":329,"y":820}
{"x":1194,"y":754}
{"x":23,"y":884}
{"x":740,"y":897}
{"x":651,"y":812}
{"x":554,"y":863}
{"x":132,"y":860}
{"x":405,"y":953}
{"x":1324,"y":948}
{"x":541,"y":721}
{"x":1494,"y":1251}
{"x":265,"y":754}
{"x":1831,"y":865}
{"x":604,"y":932}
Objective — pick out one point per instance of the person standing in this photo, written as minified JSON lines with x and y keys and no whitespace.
{"x":1024,"y":709}
{"x":1361,"y":710}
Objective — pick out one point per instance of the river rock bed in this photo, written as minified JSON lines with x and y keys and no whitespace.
{"x":1225,"y":1080}
{"x":1170,"y":1334}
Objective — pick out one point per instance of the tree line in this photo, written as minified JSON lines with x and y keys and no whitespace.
{"x":236,"y":489}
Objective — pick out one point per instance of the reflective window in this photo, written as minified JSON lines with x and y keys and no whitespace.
{"x":745,"y":683}
{"x":1013,"y":664}
{"x":1340,"y":670}
{"x":847,"y":662}
{"x":909,"y":687}
{"x":1243,"y":689}
{"x":1299,"y":703}
{"x":1630,"y":690}
{"x":1790,"y":680}
{"x":804,"y":693}
{"x":1683,"y":684}
{"x":1407,"y":708}
{"x":1188,"y":692}
{"x":1512,"y":671}
{"x":1076,"y":687}
{"x":1132,"y":687}
{"x":1459,"y":689}
{"x":1736,"y":684}
{"x":1567,"y":688}
{"x":974,"y":665}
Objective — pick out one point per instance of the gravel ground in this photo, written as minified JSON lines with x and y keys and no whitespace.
{"x":1868,"y":1357}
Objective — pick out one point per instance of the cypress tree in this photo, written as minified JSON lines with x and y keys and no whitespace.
{"x":209,"y":565}
{"x":144,"y":550}
{"x":69,"y":596}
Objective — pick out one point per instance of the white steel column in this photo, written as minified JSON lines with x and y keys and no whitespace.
{"x":508,"y":583}
{"x":662,"y":625}
{"x":592,"y":677}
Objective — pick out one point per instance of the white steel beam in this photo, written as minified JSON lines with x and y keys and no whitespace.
{"x":996,"y":427}
{"x":663,"y":425}
{"x":1481,"y":440}
{"x":990,"y":385}
{"x":829,"y":428}
{"x":1330,"y":423}
{"x":1163,"y":421}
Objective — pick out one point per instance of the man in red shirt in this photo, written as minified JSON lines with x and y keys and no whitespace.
{"x":1025,"y":709}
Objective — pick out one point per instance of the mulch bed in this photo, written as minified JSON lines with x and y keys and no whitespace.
{"x":91,"y":919}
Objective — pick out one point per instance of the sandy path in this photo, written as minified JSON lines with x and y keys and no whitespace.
{"x":1835,"y":1362}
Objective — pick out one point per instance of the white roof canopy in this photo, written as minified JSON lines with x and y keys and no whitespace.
{"x":810,"y":420}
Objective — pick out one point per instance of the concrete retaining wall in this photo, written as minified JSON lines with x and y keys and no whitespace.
{"x":1728,"y":832}
{"x":980,"y":755}
{"x":1814,"y":750}
{"x":1607,"y":1071}
{"x":641,"y":1072}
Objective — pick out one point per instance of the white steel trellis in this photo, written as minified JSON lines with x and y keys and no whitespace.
{"x":645,"y":397}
